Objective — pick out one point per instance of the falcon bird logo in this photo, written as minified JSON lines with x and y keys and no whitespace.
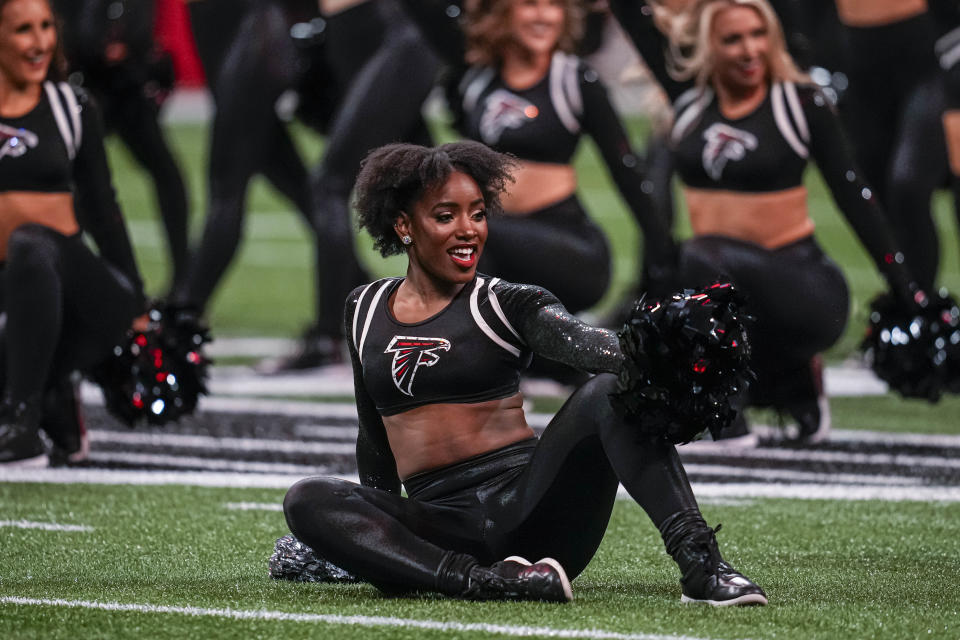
{"x":15,"y":142}
{"x":409,"y":354}
{"x":724,"y":143}
{"x":504,"y":110}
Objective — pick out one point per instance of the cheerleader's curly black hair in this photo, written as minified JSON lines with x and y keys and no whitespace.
{"x":394,"y":177}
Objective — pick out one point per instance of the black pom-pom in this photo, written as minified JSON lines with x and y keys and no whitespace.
{"x":684,"y":358}
{"x":915,"y":350}
{"x":156,"y":375}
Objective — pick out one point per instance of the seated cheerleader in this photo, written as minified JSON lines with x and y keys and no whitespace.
{"x":437,"y":357}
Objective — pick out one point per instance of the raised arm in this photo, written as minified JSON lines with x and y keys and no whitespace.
{"x":96,"y":201}
{"x":375,"y":461}
{"x":833,"y":154}
{"x":636,"y":18}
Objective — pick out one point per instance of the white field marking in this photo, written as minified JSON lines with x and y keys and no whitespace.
{"x":807,"y":491}
{"x":706,"y":490}
{"x":836,"y":457}
{"x":254,"y":506}
{"x":159,"y":478}
{"x":203,"y":464}
{"x":211,"y":443}
{"x":326,"y":431}
{"x":355,"y":620}
{"x":249,"y":347}
{"x":799,"y":476}
{"x":44,"y":526}
{"x":91,"y":394}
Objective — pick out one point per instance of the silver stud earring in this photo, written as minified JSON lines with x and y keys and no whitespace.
{"x":407,"y":240}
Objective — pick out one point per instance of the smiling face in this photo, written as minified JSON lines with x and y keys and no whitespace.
{"x":740,"y":43}
{"x":28,"y":38}
{"x":536,"y":26}
{"x":448,"y":228}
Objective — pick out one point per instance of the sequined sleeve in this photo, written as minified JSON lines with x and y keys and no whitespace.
{"x":833,"y":153}
{"x":549,"y":330}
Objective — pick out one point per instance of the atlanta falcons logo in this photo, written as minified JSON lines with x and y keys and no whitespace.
{"x":409,"y":354}
{"x":15,"y":142}
{"x":504,"y":110}
{"x":724,"y":143}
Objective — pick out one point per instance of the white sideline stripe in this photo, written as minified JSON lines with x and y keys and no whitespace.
{"x":800,"y":476}
{"x":707,"y":490}
{"x":824,"y":492}
{"x":45,"y":526}
{"x":254,"y":506}
{"x":356,"y":620}
{"x":844,"y":457}
{"x":330,"y":431}
{"x":706,"y":449}
{"x":204,"y":464}
{"x":159,"y":478}
{"x":211,"y":443}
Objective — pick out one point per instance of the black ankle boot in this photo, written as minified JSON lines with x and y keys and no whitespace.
{"x":514,"y":578}
{"x":20,"y":443}
{"x":706,"y":576}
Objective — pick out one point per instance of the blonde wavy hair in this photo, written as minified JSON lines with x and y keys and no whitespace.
{"x":487,"y":27}
{"x":688,"y":32}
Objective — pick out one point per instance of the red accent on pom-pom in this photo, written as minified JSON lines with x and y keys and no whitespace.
{"x":141,"y":340}
{"x":137,"y":401}
{"x":888,"y":258}
{"x":161,"y":376}
{"x":700,"y":366}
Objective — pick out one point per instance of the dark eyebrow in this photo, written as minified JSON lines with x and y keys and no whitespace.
{"x":456,"y":204}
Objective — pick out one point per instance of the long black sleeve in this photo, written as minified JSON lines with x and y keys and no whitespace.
{"x":549,"y":330}
{"x":96,"y":201}
{"x":601,"y":121}
{"x":833,"y":154}
{"x":636,"y":18}
{"x":375,"y":461}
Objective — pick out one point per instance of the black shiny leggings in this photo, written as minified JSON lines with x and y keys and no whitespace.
{"x":551,"y":497}
{"x":134,"y":118}
{"x":64,"y":309}
{"x":797,"y":295}
{"x":558,"y":247}
{"x":387,"y":84}
{"x":256,"y":65}
{"x":893,"y":112}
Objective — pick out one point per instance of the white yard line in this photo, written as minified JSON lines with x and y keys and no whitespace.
{"x":348,"y":620}
{"x":204,"y":465}
{"x":836,"y":457}
{"x":708,"y":490}
{"x":254,"y":506}
{"x":211,"y":443}
{"x":789,"y":475}
{"x":44,"y":526}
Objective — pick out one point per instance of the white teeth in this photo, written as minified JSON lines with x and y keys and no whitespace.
{"x":463,"y":251}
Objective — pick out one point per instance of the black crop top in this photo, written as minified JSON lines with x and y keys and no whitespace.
{"x":471,"y":351}
{"x":543,"y":123}
{"x":768,"y":149}
{"x":58,"y":147}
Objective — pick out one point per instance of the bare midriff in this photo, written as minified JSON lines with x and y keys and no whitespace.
{"x":437,"y":435}
{"x":770,"y":219}
{"x":876,"y":13}
{"x":537,"y":185}
{"x":17,"y":208}
{"x":330,"y":7}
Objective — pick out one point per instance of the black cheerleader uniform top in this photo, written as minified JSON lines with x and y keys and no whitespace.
{"x":57,"y":147}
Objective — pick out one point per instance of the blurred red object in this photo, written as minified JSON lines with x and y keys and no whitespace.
{"x":173,"y":34}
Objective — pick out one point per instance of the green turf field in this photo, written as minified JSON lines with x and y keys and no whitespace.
{"x":851,"y":570}
{"x":273,"y":268}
